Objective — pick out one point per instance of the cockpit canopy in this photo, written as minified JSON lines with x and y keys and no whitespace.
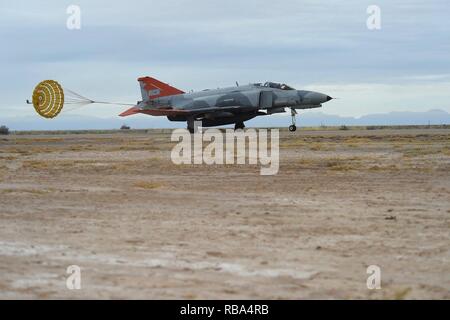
{"x":276,"y":85}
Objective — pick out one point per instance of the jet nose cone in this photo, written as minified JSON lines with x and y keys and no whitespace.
{"x":317,"y":97}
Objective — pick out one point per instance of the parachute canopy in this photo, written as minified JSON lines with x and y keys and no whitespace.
{"x":49,"y":97}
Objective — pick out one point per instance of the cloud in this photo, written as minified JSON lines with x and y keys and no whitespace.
{"x":202,"y":44}
{"x":378,"y":97}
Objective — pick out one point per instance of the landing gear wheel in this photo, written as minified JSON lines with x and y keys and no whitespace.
{"x":293,"y":127}
{"x":239,"y":125}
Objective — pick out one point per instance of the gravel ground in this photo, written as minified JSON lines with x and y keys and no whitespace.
{"x":140,"y":226}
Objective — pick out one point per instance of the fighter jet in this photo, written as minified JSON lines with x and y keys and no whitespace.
{"x":216,"y":107}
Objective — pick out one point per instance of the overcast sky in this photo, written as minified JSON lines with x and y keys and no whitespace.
{"x":197,"y":44}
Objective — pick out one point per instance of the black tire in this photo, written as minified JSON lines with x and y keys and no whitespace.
{"x":239,"y":125}
{"x":292,"y":128}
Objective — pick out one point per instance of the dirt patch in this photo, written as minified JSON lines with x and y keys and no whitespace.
{"x":140,"y":226}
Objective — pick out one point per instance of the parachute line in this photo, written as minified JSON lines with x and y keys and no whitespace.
{"x":49,"y":98}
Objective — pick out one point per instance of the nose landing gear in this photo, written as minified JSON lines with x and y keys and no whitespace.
{"x":293,"y":127}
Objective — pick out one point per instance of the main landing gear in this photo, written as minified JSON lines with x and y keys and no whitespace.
{"x":239,"y":125}
{"x":293,"y":127}
{"x":192,"y":125}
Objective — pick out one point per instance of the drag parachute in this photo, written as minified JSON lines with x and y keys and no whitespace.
{"x":49,"y":97}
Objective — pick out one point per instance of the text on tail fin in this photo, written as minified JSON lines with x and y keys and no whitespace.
{"x":152,"y":88}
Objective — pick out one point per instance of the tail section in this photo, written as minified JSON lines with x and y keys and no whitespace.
{"x":152,"y":88}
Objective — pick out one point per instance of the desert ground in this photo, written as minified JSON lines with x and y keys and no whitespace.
{"x":142,"y":227}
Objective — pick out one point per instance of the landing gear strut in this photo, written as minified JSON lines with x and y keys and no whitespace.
{"x":293,"y":127}
{"x":239,"y":125}
{"x":193,"y":125}
{"x":190,"y":125}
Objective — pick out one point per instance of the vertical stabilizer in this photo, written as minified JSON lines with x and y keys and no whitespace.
{"x":152,"y":88}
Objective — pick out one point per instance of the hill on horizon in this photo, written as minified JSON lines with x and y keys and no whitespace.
{"x":77,"y":122}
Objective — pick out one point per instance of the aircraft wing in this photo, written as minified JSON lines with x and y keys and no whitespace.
{"x":174,"y":112}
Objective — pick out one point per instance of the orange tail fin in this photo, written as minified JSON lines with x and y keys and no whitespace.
{"x":152,"y":88}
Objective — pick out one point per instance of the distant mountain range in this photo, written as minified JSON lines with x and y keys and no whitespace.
{"x":75,"y":122}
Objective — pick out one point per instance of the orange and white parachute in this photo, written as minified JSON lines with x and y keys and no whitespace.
{"x":49,"y":98}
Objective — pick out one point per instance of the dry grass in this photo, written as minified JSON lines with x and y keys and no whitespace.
{"x":330,"y":163}
{"x":339,"y":165}
{"x":18,"y":190}
{"x":401,"y":294}
{"x":35,"y":164}
{"x":7,"y":158}
{"x":17,"y":150}
{"x":147,"y":185}
{"x":419,"y":152}
{"x":36,"y":140}
{"x":322,"y":146}
{"x":290,"y":143}
{"x":357,"y":140}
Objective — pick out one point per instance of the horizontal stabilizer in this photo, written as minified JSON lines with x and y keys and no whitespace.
{"x":153,"y":112}
{"x":130,"y":111}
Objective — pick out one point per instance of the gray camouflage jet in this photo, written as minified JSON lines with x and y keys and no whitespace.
{"x":216,"y":107}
